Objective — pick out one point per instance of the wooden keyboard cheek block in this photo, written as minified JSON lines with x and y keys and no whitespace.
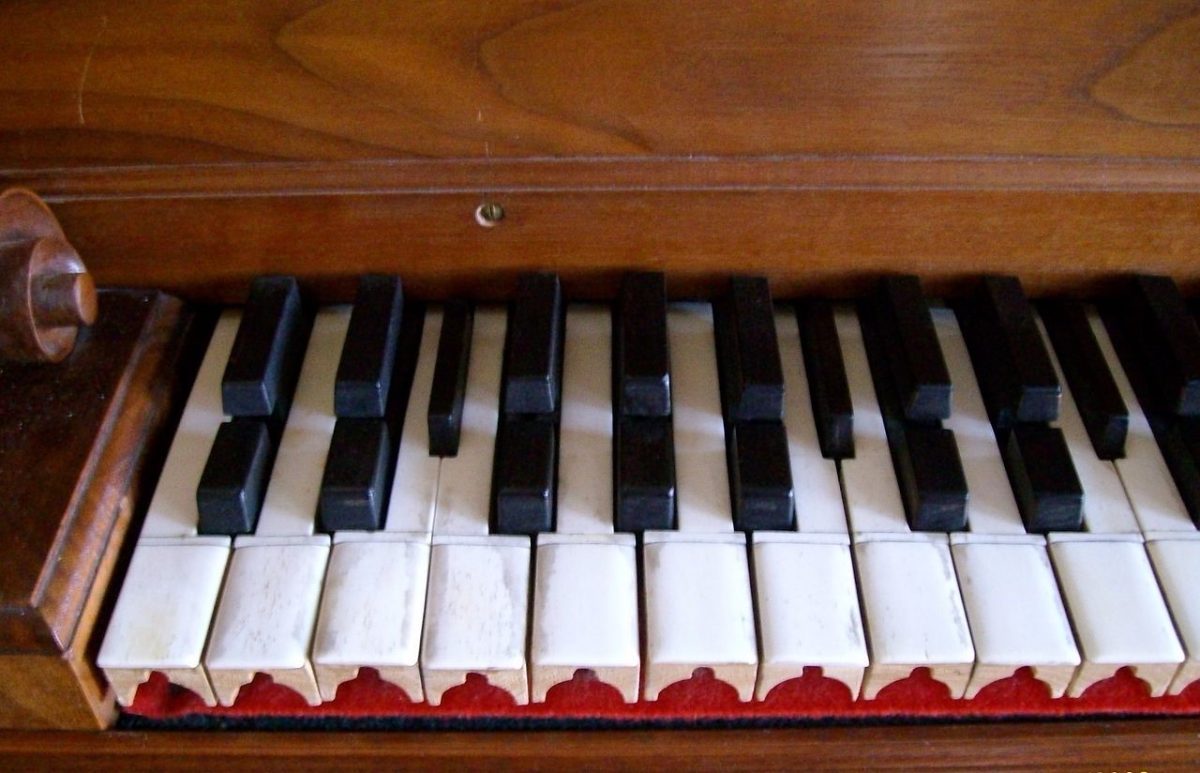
{"x":79,"y":442}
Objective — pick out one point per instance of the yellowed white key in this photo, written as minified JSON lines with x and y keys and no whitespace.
{"x":804,"y":587}
{"x":696,"y":581}
{"x":373,"y":602}
{"x":268,"y":609}
{"x":162,"y":616}
{"x":585,"y":609}
{"x":476,"y":609}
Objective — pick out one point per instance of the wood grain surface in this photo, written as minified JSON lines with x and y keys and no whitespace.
{"x":1131,"y":745}
{"x":190,"y":146}
{"x":95,"y":82}
{"x":825,"y":242}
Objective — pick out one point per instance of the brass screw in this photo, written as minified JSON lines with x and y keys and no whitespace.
{"x":489,"y":214}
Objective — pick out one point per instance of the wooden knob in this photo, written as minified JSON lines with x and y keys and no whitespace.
{"x":46,"y":293}
{"x":65,"y":299}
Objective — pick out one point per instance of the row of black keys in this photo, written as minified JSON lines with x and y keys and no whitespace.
{"x":1156,"y":337}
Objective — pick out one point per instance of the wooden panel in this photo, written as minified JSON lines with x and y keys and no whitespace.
{"x":1133,"y":745}
{"x":85,"y":82}
{"x":192,"y":145}
{"x":826,"y":241}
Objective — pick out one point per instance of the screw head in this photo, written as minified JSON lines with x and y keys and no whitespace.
{"x":489,"y":214}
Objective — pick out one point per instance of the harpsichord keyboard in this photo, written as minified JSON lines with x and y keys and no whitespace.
{"x":647,"y":488}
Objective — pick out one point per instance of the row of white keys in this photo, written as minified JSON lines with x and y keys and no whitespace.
{"x":1014,"y":609}
{"x":910,"y":595}
{"x":268,"y":609}
{"x":373,"y":605}
{"x":585,"y":608}
{"x":804,"y":589}
{"x":162,"y":616}
{"x":1119,"y":614}
{"x":1172,"y":542}
{"x":478,"y":591}
{"x":696,"y":580}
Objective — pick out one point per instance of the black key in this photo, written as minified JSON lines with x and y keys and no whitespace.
{"x":914,"y":356}
{"x":925,"y":456}
{"x":641,"y":359}
{"x":1092,"y":386}
{"x":1178,"y":437}
{"x":827,"y":385}
{"x":450,"y":379}
{"x":1179,"y":441}
{"x":748,"y":352}
{"x":533,"y":352}
{"x":361,"y":461}
{"x":364,"y":373}
{"x":760,"y":476}
{"x":526,"y":471}
{"x":929,"y":471}
{"x":230,"y":495}
{"x":265,"y":360}
{"x":644,"y":467}
{"x":1043,"y":478}
{"x":1170,"y":340}
{"x":354,"y":486}
{"x":1009,"y":356}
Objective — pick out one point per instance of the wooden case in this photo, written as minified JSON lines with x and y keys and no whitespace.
{"x":188,"y":147}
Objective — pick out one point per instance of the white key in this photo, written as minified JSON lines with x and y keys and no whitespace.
{"x":162,"y":616}
{"x":807,"y":609}
{"x":699,"y":611}
{"x":265,"y":619}
{"x":991,"y":509}
{"x":373,"y":604}
{"x":1106,"y":508}
{"x":910,"y":596}
{"x":372,"y":610}
{"x":465,"y":481}
{"x":1128,"y":625}
{"x":475,"y":614}
{"x":1014,"y":608}
{"x":804,"y":585}
{"x":1008,"y":588}
{"x":701,"y":474}
{"x":819,"y":506}
{"x":585,"y":485}
{"x":173,"y":510}
{"x":913,"y":610}
{"x":1168,"y":529}
{"x":161,"y":619}
{"x":478,"y":594}
{"x":268,"y":610}
{"x":585,"y":611}
{"x":290,"y":505}
{"x":413,"y":500}
{"x":696,"y":580}
{"x":1148,"y":482}
{"x":1176,"y":560}
{"x":872,"y":494}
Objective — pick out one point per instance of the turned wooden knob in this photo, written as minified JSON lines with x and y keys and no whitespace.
{"x":46,"y":293}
